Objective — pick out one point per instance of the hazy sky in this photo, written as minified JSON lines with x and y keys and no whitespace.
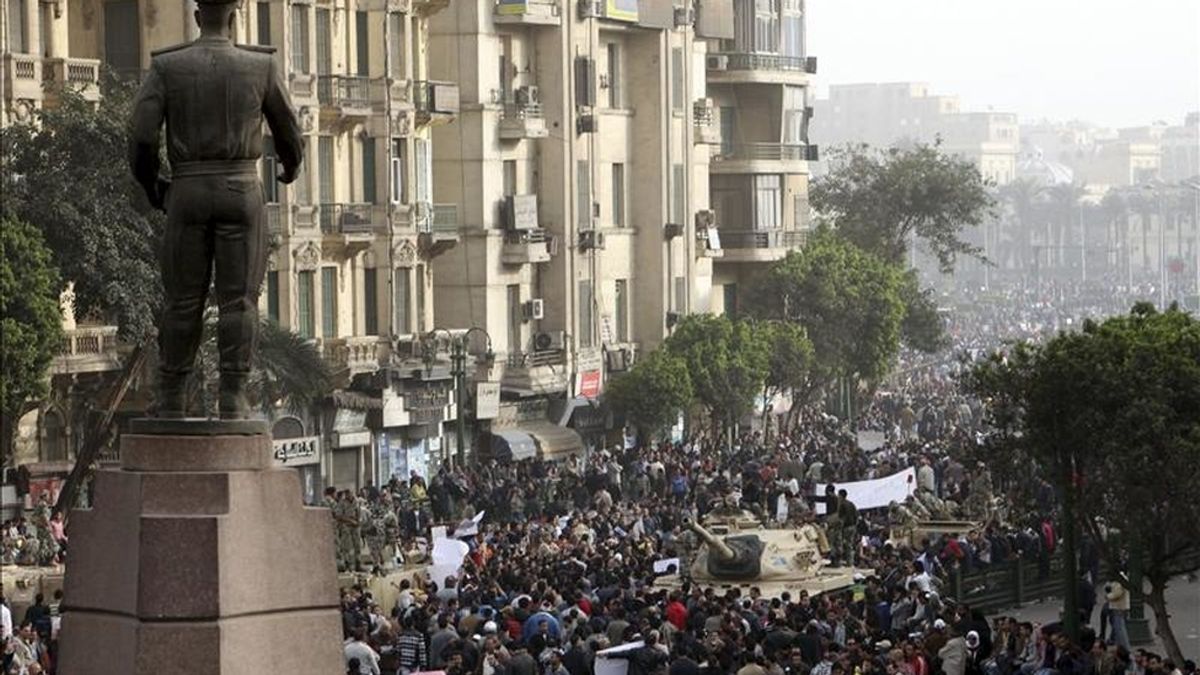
{"x":1113,"y":62}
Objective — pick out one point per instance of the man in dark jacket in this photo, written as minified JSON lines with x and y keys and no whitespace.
{"x":647,"y":659}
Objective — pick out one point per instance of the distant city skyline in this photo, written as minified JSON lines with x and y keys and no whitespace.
{"x":1110,"y":63}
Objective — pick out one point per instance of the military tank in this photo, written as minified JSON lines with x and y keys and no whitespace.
{"x":774,"y":561}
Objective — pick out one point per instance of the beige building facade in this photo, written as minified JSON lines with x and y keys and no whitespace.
{"x":38,"y":58}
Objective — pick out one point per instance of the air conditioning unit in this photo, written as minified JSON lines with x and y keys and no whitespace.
{"x":672,"y":230}
{"x":591,"y":239}
{"x":552,"y":245}
{"x":705,"y":218}
{"x":717,"y":62}
{"x":684,"y":16}
{"x":527,"y":96}
{"x":590,"y":9}
{"x":587,"y":123}
{"x":533,"y":310}
{"x":549,"y":341}
{"x":618,"y":360}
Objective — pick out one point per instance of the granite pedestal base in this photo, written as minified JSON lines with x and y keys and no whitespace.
{"x":199,"y":558}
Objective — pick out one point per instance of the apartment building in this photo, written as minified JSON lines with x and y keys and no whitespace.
{"x":581,"y":164}
{"x":355,"y":237}
{"x":38,"y":59}
{"x":759,"y":77}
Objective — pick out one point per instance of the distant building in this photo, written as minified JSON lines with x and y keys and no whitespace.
{"x":905,"y":112}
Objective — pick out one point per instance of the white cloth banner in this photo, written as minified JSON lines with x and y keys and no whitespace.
{"x":874,"y":494}
{"x":664,"y":566}
{"x":447,"y":556}
{"x":607,"y":665}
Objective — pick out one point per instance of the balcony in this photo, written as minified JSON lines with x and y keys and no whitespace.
{"x":348,"y":228}
{"x":349,"y":97}
{"x":435,"y":102}
{"x":22,"y":77}
{"x":528,"y":12}
{"x":523,"y":247}
{"x":760,"y":245}
{"x":354,"y":355}
{"x":522,"y":121}
{"x":81,"y":75}
{"x":762,"y":158}
{"x":739,"y":67}
{"x":437,"y":225}
{"x":87,"y":349}
{"x":528,"y":374}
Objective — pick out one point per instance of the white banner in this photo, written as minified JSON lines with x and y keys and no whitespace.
{"x":874,"y":494}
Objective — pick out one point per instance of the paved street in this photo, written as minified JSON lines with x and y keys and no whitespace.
{"x":1183,"y":601}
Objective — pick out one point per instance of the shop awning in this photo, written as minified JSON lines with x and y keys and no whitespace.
{"x":513,"y":444}
{"x":554,"y":442}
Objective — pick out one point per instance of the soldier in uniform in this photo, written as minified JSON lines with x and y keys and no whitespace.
{"x":212,"y":96}
{"x":391,"y":530}
{"x":833,"y":523}
{"x":375,"y":532}
{"x":848,"y":520}
{"x":346,"y":515}
{"x":44,"y":546}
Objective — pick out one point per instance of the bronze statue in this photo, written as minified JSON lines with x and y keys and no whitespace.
{"x":212,"y":95}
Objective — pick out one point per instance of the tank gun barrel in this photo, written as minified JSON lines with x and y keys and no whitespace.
{"x":715,"y":544}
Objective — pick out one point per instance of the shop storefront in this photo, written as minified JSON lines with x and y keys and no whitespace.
{"x":304,"y":455}
{"x":416,"y":412}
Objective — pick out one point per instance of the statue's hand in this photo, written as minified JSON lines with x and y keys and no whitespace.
{"x":288,"y":174}
{"x":158,"y":196}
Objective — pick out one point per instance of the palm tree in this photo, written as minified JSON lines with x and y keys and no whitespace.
{"x":1021,"y":195}
{"x":288,"y":370}
{"x":1115,"y":212}
{"x":1063,"y":205}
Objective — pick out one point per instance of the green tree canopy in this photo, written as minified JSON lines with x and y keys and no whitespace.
{"x":653,"y":393}
{"x":1111,"y":416}
{"x":726,"y":360}
{"x":68,"y":179}
{"x":880,"y":199}
{"x":30,"y":321}
{"x":848,"y":302}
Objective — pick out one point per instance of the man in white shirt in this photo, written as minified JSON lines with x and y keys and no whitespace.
{"x":357,"y":648}
{"x":6,"y":627}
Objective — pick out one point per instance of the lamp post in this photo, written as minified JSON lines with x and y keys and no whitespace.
{"x":458,"y":371}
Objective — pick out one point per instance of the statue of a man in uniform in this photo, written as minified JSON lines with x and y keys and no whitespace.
{"x":213,"y":95}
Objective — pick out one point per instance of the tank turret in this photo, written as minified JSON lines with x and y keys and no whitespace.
{"x":733,"y":557}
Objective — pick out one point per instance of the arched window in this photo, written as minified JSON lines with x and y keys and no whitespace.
{"x":288,"y":427}
{"x":54,"y":438}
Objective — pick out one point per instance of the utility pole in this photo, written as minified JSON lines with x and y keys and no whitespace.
{"x":458,"y":362}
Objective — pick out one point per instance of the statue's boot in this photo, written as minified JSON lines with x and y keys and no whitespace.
{"x":172,"y":396}
{"x":233,"y":404}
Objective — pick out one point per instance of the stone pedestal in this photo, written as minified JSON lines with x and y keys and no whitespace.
{"x":199,"y":558}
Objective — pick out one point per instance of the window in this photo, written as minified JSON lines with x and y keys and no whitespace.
{"x":368,"y":170}
{"x":731,"y":303}
{"x":16,"y":25}
{"x":270,"y":169}
{"x":273,"y":295}
{"x":262,"y":16}
{"x":420,"y":280}
{"x":302,"y":190}
{"x":515,"y":318}
{"x":621,"y":313}
{"x":793,"y":28}
{"x":300,"y":57}
{"x":424,"y":169}
{"x":397,"y":173}
{"x":370,"y":301}
{"x":767,"y":202}
{"x":618,"y":195}
{"x":679,"y":195}
{"x":727,"y":129}
{"x":304,"y":288}
{"x":362,"y":43}
{"x":681,"y":294}
{"x":766,"y":26}
{"x":325,"y":167}
{"x":583,"y":195}
{"x":396,"y":60}
{"x":324,"y":43}
{"x":677,"y":82}
{"x":122,"y":33}
{"x":585,"y":81}
{"x":506,"y":69}
{"x":585,"y":314}
{"x":401,"y":288}
{"x":795,"y":122}
{"x":510,"y":177}
{"x":614,"y":75}
{"x":329,"y":302}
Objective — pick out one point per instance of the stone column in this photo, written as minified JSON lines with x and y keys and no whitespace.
{"x":198,"y":558}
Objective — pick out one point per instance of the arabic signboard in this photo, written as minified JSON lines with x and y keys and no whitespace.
{"x":296,"y":451}
{"x":487,"y":400}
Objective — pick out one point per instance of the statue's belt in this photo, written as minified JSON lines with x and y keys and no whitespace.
{"x":215,"y":167}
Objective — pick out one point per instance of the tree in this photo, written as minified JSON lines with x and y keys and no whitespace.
{"x":30,"y":323}
{"x":653,"y":393}
{"x":72,"y":184}
{"x":727,"y":362}
{"x":1111,"y":416}
{"x":923,"y":328}
{"x":287,"y":370}
{"x":847,"y":300}
{"x":881,"y":199}
{"x":789,"y":365}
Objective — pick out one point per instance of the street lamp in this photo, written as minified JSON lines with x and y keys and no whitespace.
{"x":458,"y":370}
